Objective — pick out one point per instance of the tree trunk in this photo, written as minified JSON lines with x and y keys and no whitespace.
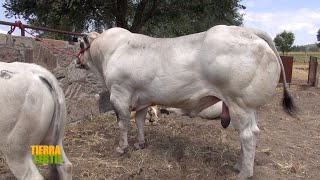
{"x":142,"y":17}
{"x":119,"y":10}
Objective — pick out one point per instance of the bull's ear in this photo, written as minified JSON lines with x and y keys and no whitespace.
{"x":85,"y":39}
{"x":92,"y":36}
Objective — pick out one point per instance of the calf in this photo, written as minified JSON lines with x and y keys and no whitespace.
{"x":211,"y":112}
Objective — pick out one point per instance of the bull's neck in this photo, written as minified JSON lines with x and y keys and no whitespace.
{"x":99,"y":66}
{"x":98,"y":69}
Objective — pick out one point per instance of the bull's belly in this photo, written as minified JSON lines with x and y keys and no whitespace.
{"x":193,"y":95}
{"x":186,"y":102}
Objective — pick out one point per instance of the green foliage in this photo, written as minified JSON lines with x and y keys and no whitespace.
{"x":298,"y":48}
{"x":284,"y":41}
{"x":74,"y":15}
{"x":305,"y":48}
{"x":153,"y":17}
{"x":180,"y":17}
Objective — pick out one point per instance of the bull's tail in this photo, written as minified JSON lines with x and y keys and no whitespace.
{"x":287,"y":101}
{"x":56,"y":130}
{"x":58,"y":118}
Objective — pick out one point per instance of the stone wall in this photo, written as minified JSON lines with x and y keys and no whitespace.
{"x":84,"y":93}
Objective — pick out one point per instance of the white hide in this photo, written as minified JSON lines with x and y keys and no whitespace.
{"x":239,"y":66}
{"x":32,"y":111}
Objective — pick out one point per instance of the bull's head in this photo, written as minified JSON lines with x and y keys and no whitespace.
{"x":80,"y":62}
{"x":84,"y":57}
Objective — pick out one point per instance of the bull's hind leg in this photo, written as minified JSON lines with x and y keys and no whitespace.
{"x":21,"y":164}
{"x":61,"y":171}
{"x":140,"y":118}
{"x":65,"y":169}
{"x":245,"y":124}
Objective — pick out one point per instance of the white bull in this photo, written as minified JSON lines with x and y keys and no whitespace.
{"x":32,"y":112}
{"x":239,"y":66}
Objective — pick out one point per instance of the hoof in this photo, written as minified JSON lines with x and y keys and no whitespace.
{"x":243,"y":177}
{"x":154,"y":123}
{"x":140,"y":145}
{"x":237,"y":167}
{"x":122,"y":151}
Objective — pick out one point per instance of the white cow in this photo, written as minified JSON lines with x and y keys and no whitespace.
{"x":152,"y":115}
{"x":237,"y":65}
{"x":211,"y":112}
{"x":32,"y":112}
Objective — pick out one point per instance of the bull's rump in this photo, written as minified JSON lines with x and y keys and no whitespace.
{"x":242,"y":64}
{"x":221,"y":62}
{"x":25,"y":104}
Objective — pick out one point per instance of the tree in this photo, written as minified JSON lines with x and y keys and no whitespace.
{"x":152,"y":17}
{"x":318,"y":38}
{"x":297,"y":48}
{"x":180,"y":17}
{"x":284,"y":41}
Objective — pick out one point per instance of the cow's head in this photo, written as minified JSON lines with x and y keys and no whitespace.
{"x":84,"y":60}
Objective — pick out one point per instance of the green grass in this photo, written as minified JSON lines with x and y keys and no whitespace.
{"x":302,"y":57}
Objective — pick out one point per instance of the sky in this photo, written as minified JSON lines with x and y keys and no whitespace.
{"x":302,"y":17}
{"x":4,"y":29}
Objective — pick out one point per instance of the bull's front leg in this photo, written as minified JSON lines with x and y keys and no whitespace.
{"x":140,"y":120}
{"x":120,"y":103}
{"x":123,"y":123}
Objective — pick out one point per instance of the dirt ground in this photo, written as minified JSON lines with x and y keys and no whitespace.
{"x":185,"y":148}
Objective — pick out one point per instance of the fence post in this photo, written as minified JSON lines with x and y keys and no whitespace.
{"x":22,"y":32}
{"x":312,"y":74}
{"x":287,"y":62}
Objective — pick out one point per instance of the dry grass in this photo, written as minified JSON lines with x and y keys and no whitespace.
{"x":302,"y":57}
{"x":169,"y":152}
{"x":300,"y":73}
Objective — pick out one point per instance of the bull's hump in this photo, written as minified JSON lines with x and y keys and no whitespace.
{"x":117,"y":30}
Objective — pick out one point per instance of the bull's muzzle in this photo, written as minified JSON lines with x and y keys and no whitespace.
{"x":79,"y":65}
